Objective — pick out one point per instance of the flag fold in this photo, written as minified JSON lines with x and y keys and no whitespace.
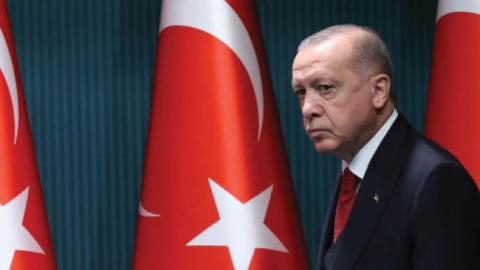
{"x":24,"y":235}
{"x":453,"y":114}
{"x":216,"y":192}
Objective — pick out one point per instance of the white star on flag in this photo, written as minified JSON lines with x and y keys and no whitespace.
{"x":14,"y":236}
{"x":241,"y":227}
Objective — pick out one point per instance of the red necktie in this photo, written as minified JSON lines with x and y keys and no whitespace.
{"x":346,"y":198}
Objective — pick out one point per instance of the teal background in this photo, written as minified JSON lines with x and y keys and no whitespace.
{"x":87,"y":69}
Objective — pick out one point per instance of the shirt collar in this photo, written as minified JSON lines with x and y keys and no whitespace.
{"x":359,"y":164}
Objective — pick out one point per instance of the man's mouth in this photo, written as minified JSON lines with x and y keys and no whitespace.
{"x":317,"y":132}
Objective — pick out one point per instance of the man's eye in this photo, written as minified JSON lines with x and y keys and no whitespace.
{"x":300,"y":92}
{"x":324,"y":87}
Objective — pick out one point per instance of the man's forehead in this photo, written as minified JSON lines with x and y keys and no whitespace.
{"x":322,"y":56}
{"x":312,"y":73}
{"x":333,"y":49}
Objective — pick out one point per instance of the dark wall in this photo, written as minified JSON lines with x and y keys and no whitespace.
{"x":87,"y":69}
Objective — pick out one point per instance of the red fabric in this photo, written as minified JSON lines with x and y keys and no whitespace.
{"x":346,"y":199}
{"x":18,"y":170}
{"x":453,"y":114}
{"x":204,"y":125}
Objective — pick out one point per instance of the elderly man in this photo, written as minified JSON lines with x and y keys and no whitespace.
{"x":402,"y":201}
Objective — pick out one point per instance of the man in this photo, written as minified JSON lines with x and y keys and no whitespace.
{"x":402,"y":201}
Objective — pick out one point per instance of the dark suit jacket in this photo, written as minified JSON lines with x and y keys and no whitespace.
{"x":427,"y":215}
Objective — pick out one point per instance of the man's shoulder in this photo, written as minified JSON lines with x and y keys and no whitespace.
{"x":430,"y":162}
{"x":423,"y":157}
{"x":416,"y":157}
{"x":421,"y":149}
{"x":427,"y":151}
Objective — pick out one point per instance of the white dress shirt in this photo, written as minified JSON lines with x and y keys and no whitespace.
{"x":359,"y":164}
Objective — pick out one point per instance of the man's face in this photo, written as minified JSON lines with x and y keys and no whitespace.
{"x":336,"y":103}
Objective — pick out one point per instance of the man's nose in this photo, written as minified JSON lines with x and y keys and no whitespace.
{"x":312,"y":106}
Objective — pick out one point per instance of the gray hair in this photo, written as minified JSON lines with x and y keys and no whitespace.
{"x":370,"y":54}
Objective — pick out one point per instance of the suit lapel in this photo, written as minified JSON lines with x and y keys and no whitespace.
{"x":375,"y":191}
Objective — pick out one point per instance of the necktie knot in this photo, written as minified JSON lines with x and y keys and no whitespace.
{"x":349,"y":182}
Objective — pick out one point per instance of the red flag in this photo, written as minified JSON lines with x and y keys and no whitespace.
{"x":453,"y":116}
{"x":216,"y":191}
{"x":24,"y":235}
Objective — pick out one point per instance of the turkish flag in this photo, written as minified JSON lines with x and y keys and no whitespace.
{"x":216,"y":192}
{"x":453,"y":115}
{"x":24,"y":235}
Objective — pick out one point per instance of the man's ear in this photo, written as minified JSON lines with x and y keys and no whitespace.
{"x":381,"y":90}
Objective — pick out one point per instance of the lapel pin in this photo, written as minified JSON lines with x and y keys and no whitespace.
{"x":376,"y":198}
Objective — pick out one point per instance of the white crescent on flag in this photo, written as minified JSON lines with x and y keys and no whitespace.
{"x":218,"y":19}
{"x":145,"y":213}
{"x":6,"y":67}
{"x":449,"y":6}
